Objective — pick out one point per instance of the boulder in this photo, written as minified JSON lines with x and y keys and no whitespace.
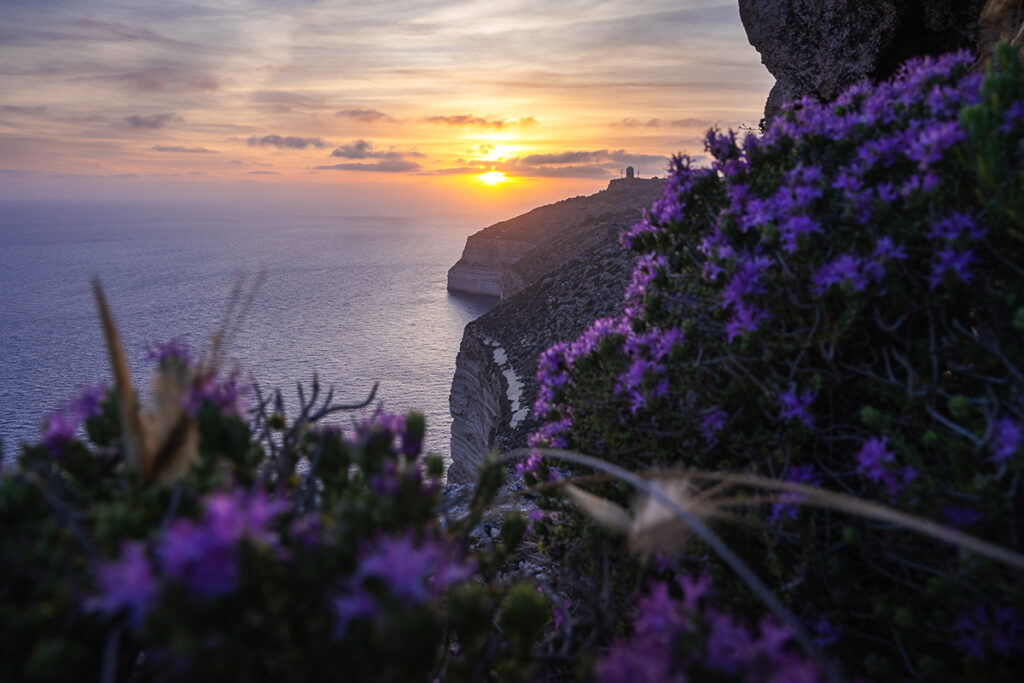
{"x":820,"y":47}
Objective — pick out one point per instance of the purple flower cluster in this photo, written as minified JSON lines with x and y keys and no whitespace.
{"x":226,"y":394}
{"x":647,"y":354}
{"x":673,"y":637}
{"x":176,"y":350}
{"x":60,"y":426}
{"x":204,"y":555}
{"x":412,"y":573}
{"x":201,"y":555}
{"x":875,"y":462}
{"x":983,"y":631}
{"x":127,"y":584}
{"x":787,"y":507}
{"x":1007,"y":437}
{"x":794,"y":407}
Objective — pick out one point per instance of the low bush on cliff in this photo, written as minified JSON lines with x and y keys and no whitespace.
{"x":837,"y":303}
{"x":190,"y":544}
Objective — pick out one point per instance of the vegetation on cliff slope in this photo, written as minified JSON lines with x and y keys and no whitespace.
{"x":837,"y":303}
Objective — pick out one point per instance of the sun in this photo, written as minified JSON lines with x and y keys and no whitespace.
{"x":492,"y":177}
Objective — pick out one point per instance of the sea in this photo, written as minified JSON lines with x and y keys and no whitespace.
{"x":356,"y":300}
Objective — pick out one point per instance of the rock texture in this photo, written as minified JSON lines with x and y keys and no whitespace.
{"x":820,"y":47}
{"x":539,"y":240}
{"x":495,"y":372}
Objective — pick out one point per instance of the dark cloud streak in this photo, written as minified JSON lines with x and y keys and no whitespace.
{"x":182,"y":150}
{"x":364,"y":115}
{"x":471,"y":120}
{"x":383,"y":166}
{"x":153,"y":121}
{"x":289,"y":142}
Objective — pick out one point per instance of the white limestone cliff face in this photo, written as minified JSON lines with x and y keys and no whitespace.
{"x":475,"y":402}
{"x":483,"y":262}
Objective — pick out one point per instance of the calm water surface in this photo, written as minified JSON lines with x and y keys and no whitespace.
{"x":355,"y":299}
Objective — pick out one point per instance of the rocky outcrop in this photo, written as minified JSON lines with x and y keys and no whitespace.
{"x":820,"y":47}
{"x":495,"y":385}
{"x":543,"y":237}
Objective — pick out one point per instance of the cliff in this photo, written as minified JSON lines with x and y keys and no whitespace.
{"x":506,"y":257}
{"x":495,"y":372}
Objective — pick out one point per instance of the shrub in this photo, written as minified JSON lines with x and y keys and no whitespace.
{"x":839,"y":302}
{"x":284,"y":549}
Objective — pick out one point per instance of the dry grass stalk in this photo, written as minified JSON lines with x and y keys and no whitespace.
{"x":164,"y":442}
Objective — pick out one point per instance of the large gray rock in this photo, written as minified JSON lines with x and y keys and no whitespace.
{"x":820,"y":47}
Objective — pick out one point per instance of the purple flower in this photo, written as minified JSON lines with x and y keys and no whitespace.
{"x":59,"y":430}
{"x":952,"y":226}
{"x":794,"y":228}
{"x":225,"y":394}
{"x":1012,"y":117}
{"x":535,"y":515}
{"x":639,"y":228}
{"x":204,"y":555}
{"x":746,"y":319}
{"x":843,"y":269}
{"x":88,"y":404}
{"x":348,"y":607}
{"x":872,"y":461}
{"x":711,"y":423}
{"x":795,"y":407}
{"x":961,"y":516}
{"x":949,"y":261}
{"x":411,"y":574}
{"x":931,"y":143}
{"x":982,"y":630}
{"x":125,"y":584}
{"x":551,"y":434}
{"x":176,"y":350}
{"x":1006,"y":439}
{"x":529,"y":465}
{"x":306,"y":531}
{"x":787,"y":505}
{"x":747,"y":280}
{"x":825,"y":633}
{"x":192,"y":555}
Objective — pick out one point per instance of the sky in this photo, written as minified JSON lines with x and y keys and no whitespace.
{"x":400,"y":104}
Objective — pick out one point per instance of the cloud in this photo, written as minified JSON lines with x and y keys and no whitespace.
{"x":382,"y":166}
{"x":283,"y":101}
{"x":22,"y":111}
{"x":470,"y":120}
{"x":289,"y":142}
{"x":263,"y":173}
{"x":364,"y":149}
{"x":183,"y":150}
{"x":364,"y":115}
{"x":664,"y":123}
{"x":174,"y":78}
{"x":620,"y":156}
{"x":153,"y":121}
{"x":600,"y":163}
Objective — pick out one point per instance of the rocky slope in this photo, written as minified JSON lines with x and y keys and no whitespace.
{"x":494,"y":385}
{"x":539,"y":240}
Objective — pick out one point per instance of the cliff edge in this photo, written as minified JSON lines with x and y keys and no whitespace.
{"x":503,"y":259}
